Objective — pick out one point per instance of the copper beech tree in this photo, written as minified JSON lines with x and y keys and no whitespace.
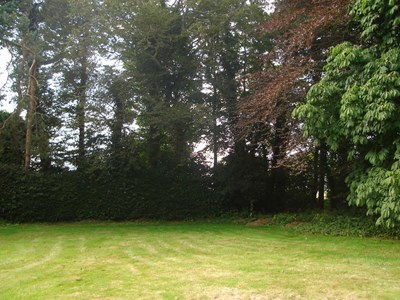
{"x":302,"y":31}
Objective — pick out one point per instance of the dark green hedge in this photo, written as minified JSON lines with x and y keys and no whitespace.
{"x":27,"y":196}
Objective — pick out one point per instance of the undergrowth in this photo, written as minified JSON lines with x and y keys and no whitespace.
{"x":334,"y":223}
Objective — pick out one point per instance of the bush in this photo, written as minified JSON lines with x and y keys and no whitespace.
{"x":27,"y":196}
{"x":344,"y":223}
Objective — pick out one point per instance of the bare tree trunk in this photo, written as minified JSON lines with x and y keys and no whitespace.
{"x":322,"y":174}
{"x":215,"y":126}
{"x":314,"y":187}
{"x":215,"y":145}
{"x":154,"y":143}
{"x":117,"y":127}
{"x":333,"y":203}
{"x":180,"y":146}
{"x":32,"y":90}
{"x":44,"y":138}
{"x":277,"y":178}
{"x":32,"y":80}
{"x":18,"y":86}
{"x":81,"y":109}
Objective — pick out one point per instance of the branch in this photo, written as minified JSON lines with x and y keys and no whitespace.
{"x":17,"y":45}
{"x":11,"y":43}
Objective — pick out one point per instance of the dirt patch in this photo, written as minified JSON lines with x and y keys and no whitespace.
{"x":241,"y":221}
{"x":260,"y":222}
{"x":295,"y":224}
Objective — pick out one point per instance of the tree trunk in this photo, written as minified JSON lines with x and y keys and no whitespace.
{"x":32,"y":90}
{"x":81,"y":109}
{"x":215,"y":147}
{"x":180,"y":146}
{"x":154,"y":146}
{"x":116,"y":134}
{"x":18,"y":86}
{"x":32,"y":79}
{"x":278,"y":178}
{"x":333,"y":197}
{"x":321,"y":175}
{"x":43,"y":142}
{"x":314,"y":188}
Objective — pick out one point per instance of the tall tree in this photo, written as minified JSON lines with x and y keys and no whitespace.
{"x":82,"y":42}
{"x":26,"y":35}
{"x":229,"y":47}
{"x":20,"y":24}
{"x":163,"y":67}
{"x":301,"y":32}
{"x":356,"y":104}
{"x":75,"y":39}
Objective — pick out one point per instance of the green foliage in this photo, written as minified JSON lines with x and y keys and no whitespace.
{"x":349,"y":223}
{"x":12,"y":131}
{"x":163,"y":66}
{"x":379,"y":20}
{"x":356,"y":103}
{"x":7,"y":10}
{"x":186,"y":64}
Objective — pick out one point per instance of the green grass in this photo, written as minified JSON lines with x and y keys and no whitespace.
{"x":192,"y":261}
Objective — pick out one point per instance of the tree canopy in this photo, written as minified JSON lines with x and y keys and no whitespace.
{"x":356,"y":103}
{"x":194,"y":101}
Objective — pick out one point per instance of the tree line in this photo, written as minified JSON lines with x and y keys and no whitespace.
{"x":294,"y":109}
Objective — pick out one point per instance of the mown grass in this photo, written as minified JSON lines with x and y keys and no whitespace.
{"x":192,"y":261}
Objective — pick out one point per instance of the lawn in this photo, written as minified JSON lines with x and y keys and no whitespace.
{"x":192,"y":261}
